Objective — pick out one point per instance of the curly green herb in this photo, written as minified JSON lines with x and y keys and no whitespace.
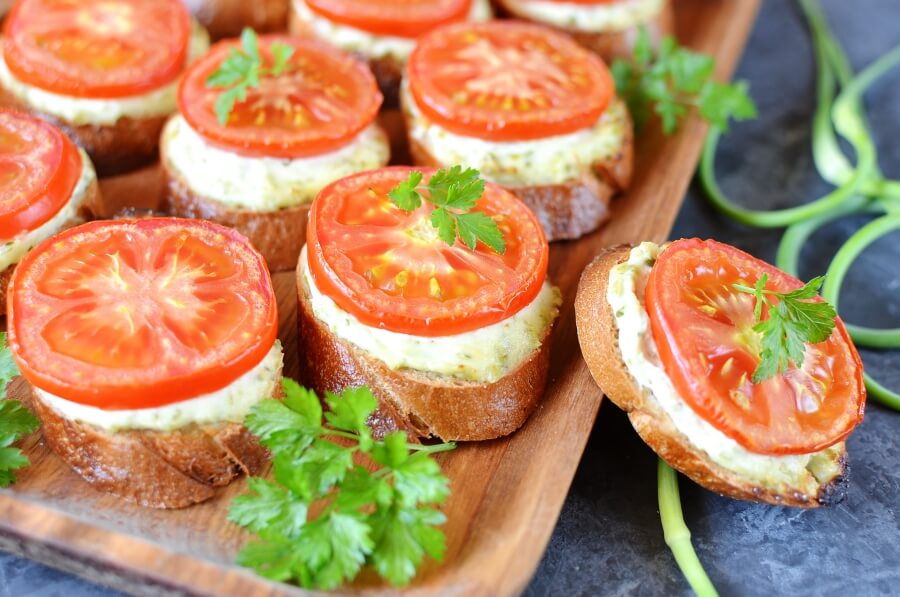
{"x":16,"y":421}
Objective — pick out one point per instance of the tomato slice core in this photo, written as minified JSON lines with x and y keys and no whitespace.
{"x":507,"y":81}
{"x":322,"y":100}
{"x":39,"y":169}
{"x":97,"y":49}
{"x":390,"y":270}
{"x":397,"y":18}
{"x":132,"y":314}
{"x":702,"y":327}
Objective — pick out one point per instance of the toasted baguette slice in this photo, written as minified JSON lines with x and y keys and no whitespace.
{"x":612,"y":44}
{"x":422,"y":404}
{"x":278,"y":235}
{"x":571,"y":209}
{"x":85,"y":213}
{"x":156,"y":469}
{"x":227,"y":18}
{"x":140,"y":189}
{"x":599,"y":339}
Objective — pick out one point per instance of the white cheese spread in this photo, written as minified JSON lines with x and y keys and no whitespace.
{"x":228,"y":405}
{"x":261,"y":183}
{"x":551,"y":160}
{"x":484,"y":355}
{"x":602,"y":17}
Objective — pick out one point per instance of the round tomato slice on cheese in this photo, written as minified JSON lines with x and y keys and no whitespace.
{"x":320,"y":101}
{"x":131,"y":314}
{"x":396,"y":18}
{"x":507,"y":81}
{"x":703,"y":329}
{"x":39,"y":168}
{"x":389,"y":269}
{"x":97,"y":48}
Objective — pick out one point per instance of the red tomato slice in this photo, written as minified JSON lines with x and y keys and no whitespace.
{"x":507,"y":81}
{"x":390,"y":270}
{"x":39,"y":168}
{"x":131,"y":314}
{"x":322,"y":100}
{"x":703,"y":330}
{"x":97,"y":48}
{"x":399,"y":18}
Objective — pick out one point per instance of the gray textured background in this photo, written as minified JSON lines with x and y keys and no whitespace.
{"x":608,"y":540}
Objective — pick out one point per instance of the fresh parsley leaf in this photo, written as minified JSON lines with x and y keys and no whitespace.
{"x":453,"y":193}
{"x":384,"y":518}
{"x":242,"y":69}
{"x":795,"y":319}
{"x":670,"y":80}
{"x":405,"y":195}
{"x":16,"y":421}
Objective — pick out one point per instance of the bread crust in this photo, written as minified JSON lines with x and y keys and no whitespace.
{"x":156,"y":469}
{"x":277,"y":235}
{"x":421,"y":404}
{"x":84,"y":214}
{"x":613,"y":44}
{"x":598,"y":337}
{"x":127,"y":145}
{"x":227,"y":18}
{"x":388,"y":71}
{"x":571,"y":209}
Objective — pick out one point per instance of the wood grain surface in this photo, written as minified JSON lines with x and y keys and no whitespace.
{"x":506,"y":494}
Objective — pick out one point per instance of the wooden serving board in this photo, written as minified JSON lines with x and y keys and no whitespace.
{"x":506,"y":494}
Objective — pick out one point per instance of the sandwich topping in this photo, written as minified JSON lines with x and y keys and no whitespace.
{"x":135,"y":314}
{"x":523,"y":104}
{"x":587,"y":15}
{"x":644,"y":357}
{"x":383,"y":268}
{"x":385,"y":28}
{"x":44,"y":180}
{"x":94,"y":62}
{"x":297,"y":115}
{"x":309,"y":100}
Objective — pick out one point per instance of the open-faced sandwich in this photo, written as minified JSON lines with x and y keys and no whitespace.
{"x":146,"y":342}
{"x":47,"y":184}
{"x":227,"y":18}
{"x":430,"y":288}
{"x":529,"y":109}
{"x":255,"y":161}
{"x":607,"y":27}
{"x":105,"y":73}
{"x":734,"y":372}
{"x":381,"y":32}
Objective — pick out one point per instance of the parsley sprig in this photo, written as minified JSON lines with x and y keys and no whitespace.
{"x":16,"y":421}
{"x":795,"y":320}
{"x":454,"y":193}
{"x":384,"y":518}
{"x":671,"y":80}
{"x":242,"y":69}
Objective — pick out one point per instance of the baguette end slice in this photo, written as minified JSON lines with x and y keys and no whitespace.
{"x":598,"y":337}
{"x":421,"y":404}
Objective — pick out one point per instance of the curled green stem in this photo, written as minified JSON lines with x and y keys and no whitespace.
{"x":676,"y":533}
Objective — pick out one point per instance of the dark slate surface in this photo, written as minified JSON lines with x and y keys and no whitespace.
{"x":608,"y":540}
